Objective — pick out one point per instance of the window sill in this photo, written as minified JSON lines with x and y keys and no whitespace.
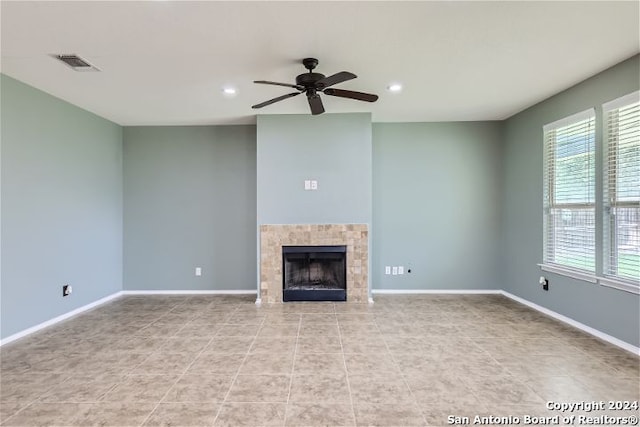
{"x":619,"y":284}
{"x":591,"y":278}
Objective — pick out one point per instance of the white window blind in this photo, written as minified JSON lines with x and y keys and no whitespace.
{"x":622,"y":189}
{"x":569,"y":192}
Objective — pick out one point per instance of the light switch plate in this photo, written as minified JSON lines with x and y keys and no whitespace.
{"x":394,"y":271}
{"x":198,"y":271}
{"x":307,"y":184}
{"x":387,"y":270}
{"x":314,"y":184}
{"x":400,"y":269}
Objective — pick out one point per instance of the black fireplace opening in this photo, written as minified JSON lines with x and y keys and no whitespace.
{"x":314,"y":273}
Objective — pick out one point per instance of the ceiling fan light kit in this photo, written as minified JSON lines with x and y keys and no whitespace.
{"x":312,"y":84}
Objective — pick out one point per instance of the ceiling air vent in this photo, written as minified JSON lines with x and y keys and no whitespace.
{"x":77,"y":63}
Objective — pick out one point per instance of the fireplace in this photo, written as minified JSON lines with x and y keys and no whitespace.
{"x":314,"y":273}
{"x":273,"y":237}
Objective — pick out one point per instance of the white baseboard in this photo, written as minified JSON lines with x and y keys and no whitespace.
{"x":436,"y":291}
{"x":191,"y":292}
{"x":60,"y":318}
{"x":569,"y":321}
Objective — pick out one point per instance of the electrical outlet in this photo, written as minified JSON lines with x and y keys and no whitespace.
{"x":544,"y":282}
{"x":198,"y":271}
{"x":400,"y":269}
{"x":66,"y":290}
{"x":394,"y":270}
{"x":307,"y":184}
{"x":387,"y":270}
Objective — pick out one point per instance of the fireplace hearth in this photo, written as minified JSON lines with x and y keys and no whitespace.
{"x":314,"y":273}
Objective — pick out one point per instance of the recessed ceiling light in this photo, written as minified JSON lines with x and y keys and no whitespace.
{"x":394,"y":87}
{"x":229,"y":91}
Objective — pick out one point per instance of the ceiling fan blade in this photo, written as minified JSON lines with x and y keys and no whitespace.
{"x":271,"y":101}
{"x":360,"y":96}
{"x":316,"y":104}
{"x":340,"y":77}
{"x":265,"y":82}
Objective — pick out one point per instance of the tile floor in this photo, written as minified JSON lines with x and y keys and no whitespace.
{"x":222,"y":361}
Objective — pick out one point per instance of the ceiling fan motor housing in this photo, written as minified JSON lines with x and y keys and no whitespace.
{"x":309,"y":79}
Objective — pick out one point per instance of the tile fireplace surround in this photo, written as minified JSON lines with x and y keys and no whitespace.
{"x":354,"y":236}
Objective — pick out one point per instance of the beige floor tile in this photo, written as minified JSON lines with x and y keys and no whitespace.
{"x":319,"y":363}
{"x":561,"y":388}
{"x":264,"y":363}
{"x":230,"y":330}
{"x":320,"y":344}
{"x":82,"y":388}
{"x":356,"y":318}
{"x":196,"y":330}
{"x":282,"y":318}
{"x":160,"y":329}
{"x":445,"y":388}
{"x":47,"y":414}
{"x":359,"y":330}
{"x":611,"y":387}
{"x":370,"y":362}
{"x":184,"y":345}
{"x":216,"y":363}
{"x":377,"y":388}
{"x":200,"y":388}
{"x":388,"y":415}
{"x":165,"y":363}
{"x":278,"y":330}
{"x":445,"y":354}
{"x":545,"y":367}
{"x":363,"y":344}
{"x":115,"y":414}
{"x":229,"y":345}
{"x":310,"y":307}
{"x":251,"y":414}
{"x":319,"y":329}
{"x":437,"y":414}
{"x":320,"y":388}
{"x":260,"y":388}
{"x":8,"y":409}
{"x":315,"y":318}
{"x":141,"y":388}
{"x":505,"y":389}
{"x":139,"y":344}
{"x":183,"y":414}
{"x":253,"y":318}
{"x":26,"y":388}
{"x":319,"y":414}
{"x":111,"y":362}
{"x":273,"y":345}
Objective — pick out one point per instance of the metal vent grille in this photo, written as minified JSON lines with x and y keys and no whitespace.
{"x":77,"y":63}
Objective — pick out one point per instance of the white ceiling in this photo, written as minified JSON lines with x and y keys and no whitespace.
{"x":166,"y":62}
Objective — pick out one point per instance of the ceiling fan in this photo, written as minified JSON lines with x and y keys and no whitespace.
{"x":312,"y":84}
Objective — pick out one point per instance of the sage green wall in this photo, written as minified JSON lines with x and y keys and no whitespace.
{"x":61,"y":207}
{"x":190,"y":201}
{"x":436,"y":205}
{"x":334,"y":149}
{"x":609,"y":310}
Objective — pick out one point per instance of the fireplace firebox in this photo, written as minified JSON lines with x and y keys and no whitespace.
{"x":314,"y":273}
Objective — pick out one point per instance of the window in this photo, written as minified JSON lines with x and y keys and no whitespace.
{"x":622,"y":188}
{"x":569,"y":193}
